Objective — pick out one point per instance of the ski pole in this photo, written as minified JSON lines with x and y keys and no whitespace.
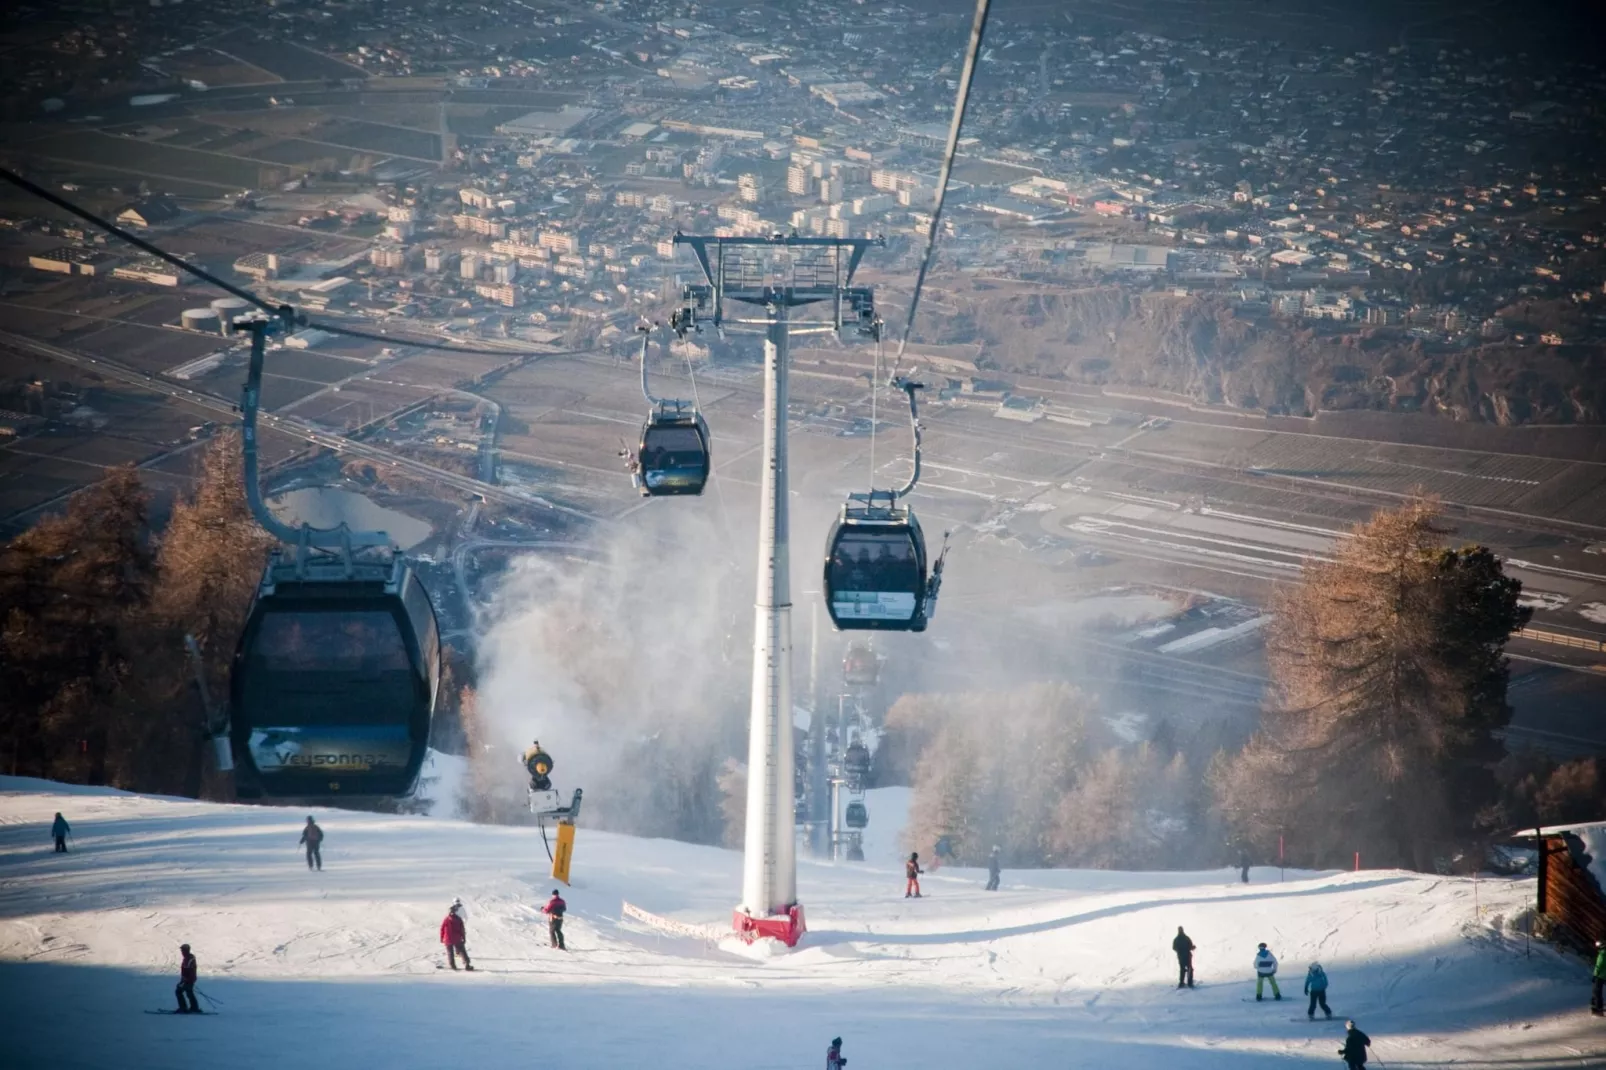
{"x":209,"y":999}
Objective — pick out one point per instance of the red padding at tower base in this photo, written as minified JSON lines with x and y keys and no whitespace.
{"x":788,"y":928}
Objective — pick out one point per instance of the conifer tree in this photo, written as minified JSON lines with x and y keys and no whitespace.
{"x":1388,"y":684}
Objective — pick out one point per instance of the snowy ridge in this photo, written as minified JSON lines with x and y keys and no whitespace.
{"x":1061,"y":968}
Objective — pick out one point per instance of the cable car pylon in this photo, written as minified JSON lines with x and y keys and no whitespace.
{"x":778,"y":274}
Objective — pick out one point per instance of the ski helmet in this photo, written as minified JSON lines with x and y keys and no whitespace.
{"x":836,"y":1042}
{"x":1262,"y":947}
{"x":184,"y":947}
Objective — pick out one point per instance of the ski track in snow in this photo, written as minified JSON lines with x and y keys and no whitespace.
{"x":340,"y":968}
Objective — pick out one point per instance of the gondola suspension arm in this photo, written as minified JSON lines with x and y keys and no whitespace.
{"x":908,"y":386}
{"x":645,"y":330}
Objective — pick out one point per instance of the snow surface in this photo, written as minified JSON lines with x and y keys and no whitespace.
{"x":1059,"y":969}
{"x":1594,"y":841}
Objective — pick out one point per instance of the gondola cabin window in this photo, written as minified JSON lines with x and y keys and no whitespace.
{"x":875,"y":576}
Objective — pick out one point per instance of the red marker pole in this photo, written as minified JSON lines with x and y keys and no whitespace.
{"x":1357,"y":861}
{"x":1279,"y":856}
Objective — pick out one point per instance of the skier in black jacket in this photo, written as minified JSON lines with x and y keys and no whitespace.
{"x":1184,"y":949}
{"x":1355,"y":1045}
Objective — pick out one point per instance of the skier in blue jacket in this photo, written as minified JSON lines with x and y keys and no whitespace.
{"x":1316,"y":988}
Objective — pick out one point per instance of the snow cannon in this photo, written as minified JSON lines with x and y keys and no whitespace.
{"x":539,"y":764}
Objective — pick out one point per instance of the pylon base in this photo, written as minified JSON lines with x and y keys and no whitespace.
{"x":788,"y":928}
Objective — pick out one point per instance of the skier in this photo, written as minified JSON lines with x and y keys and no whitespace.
{"x":834,"y":1059}
{"x":1316,"y":988}
{"x":1266,"y":970}
{"x":312,"y":836}
{"x":186,"y":982}
{"x":992,"y":870}
{"x":1597,"y":982}
{"x":554,"y":919}
{"x":60,"y":830}
{"x":455,"y":936}
{"x":944,"y":852}
{"x":1355,"y":1045}
{"x":1243,"y":866}
{"x":1183,"y":946}
{"x":911,"y":872}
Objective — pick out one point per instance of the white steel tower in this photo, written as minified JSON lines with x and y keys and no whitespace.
{"x":778,"y":274}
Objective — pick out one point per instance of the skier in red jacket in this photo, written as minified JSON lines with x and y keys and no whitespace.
{"x":554,"y":919}
{"x":912,"y":871}
{"x":455,"y":936}
{"x":186,"y":982}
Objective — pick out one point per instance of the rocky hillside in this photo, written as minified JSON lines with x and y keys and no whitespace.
{"x":1201,"y":347}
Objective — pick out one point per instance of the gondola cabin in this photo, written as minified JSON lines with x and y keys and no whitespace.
{"x":876,"y":568}
{"x":860,"y":665}
{"x":674,"y":456}
{"x":334,"y":680}
{"x":857,"y":816}
{"x":856,"y":765}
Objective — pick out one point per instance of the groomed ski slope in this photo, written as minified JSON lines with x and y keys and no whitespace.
{"x":1060,"y":969}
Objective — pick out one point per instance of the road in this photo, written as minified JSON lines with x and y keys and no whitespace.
{"x":294,"y":427}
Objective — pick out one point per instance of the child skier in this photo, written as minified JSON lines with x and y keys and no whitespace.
{"x":993,"y":870}
{"x":454,"y":934}
{"x":60,"y":830}
{"x":1266,"y":970}
{"x":911,"y":873}
{"x":312,"y":836}
{"x":1316,"y":988}
{"x":834,"y":1059}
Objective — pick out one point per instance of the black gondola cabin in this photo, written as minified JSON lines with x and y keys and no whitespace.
{"x":334,"y":680}
{"x":674,"y":456}
{"x":876,"y":569}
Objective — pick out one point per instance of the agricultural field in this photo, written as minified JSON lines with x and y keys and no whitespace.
{"x":215,"y":70}
{"x":420,"y":115}
{"x":377,"y":137}
{"x":115,"y":425}
{"x":290,"y":62}
{"x":480,"y":120}
{"x":314,"y":156}
{"x":155,"y":160}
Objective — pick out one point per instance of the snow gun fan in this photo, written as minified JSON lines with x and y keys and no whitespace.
{"x":334,"y":680}
{"x":877,"y":575}
{"x":673,"y":456}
